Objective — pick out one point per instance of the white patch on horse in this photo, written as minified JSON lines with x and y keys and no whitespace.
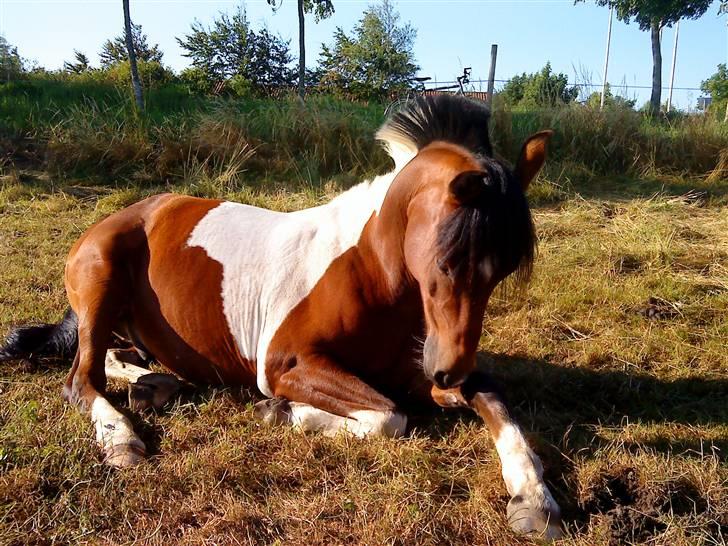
{"x":360,"y":423}
{"x":522,"y":469}
{"x":272,"y":260}
{"x":112,"y":428}
{"x":391,"y":424}
{"x":119,"y":365}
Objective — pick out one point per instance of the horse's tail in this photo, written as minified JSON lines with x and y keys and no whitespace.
{"x":43,"y":340}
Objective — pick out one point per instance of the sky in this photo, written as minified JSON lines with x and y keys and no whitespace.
{"x":451,"y":34}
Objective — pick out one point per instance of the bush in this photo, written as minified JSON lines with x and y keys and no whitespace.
{"x":196,"y":80}
{"x":152,"y":75}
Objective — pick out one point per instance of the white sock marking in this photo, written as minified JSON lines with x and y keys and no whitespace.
{"x":359,"y":423}
{"x":112,"y":428}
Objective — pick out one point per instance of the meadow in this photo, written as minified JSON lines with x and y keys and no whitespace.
{"x":615,"y":359}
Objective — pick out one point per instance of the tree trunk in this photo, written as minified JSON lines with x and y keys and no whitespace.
{"x":301,"y":53}
{"x":135,"y":82}
{"x":656,"y":68}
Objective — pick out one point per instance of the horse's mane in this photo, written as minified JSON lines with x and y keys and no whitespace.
{"x":498,"y":224}
{"x":447,"y":118}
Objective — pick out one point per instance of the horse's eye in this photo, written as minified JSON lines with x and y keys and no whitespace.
{"x":446,"y":270}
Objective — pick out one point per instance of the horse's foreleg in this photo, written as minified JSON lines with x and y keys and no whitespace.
{"x":532,"y":509}
{"x":317,"y":395}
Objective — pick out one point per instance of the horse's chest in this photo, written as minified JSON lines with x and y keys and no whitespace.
{"x":270,"y":262}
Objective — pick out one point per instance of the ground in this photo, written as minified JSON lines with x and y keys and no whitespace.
{"x":615,"y":360}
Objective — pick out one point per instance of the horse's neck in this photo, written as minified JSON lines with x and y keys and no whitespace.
{"x":370,"y":217}
{"x":381,"y":245}
{"x":351,"y":210}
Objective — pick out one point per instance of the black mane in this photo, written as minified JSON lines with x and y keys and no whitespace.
{"x":448,"y":118}
{"x":498,"y":224}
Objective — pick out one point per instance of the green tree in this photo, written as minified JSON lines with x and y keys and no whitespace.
{"x":321,"y":10}
{"x":221,"y":50}
{"x":270,"y":61}
{"x":115,"y":51}
{"x":543,"y":88}
{"x":79,"y":65}
{"x":229,"y":49}
{"x":654,"y":15}
{"x":717,"y":84}
{"x":610,"y":100}
{"x":376,"y":60}
{"x":717,"y":87}
{"x":11,"y":64}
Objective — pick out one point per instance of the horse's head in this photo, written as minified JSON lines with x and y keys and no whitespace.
{"x":468,"y":227}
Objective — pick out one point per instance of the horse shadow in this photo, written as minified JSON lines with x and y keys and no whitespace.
{"x":564,"y":411}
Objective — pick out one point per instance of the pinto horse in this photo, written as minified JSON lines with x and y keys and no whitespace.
{"x":324,"y":309}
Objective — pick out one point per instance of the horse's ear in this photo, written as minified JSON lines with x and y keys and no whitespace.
{"x":532,"y":158}
{"x":467,"y":186}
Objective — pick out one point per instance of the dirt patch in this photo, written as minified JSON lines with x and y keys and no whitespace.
{"x":658,"y":309}
{"x":628,"y":264}
{"x":629,"y":511}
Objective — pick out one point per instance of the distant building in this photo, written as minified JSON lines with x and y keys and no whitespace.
{"x":704,"y":102}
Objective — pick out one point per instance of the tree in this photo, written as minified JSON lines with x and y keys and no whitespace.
{"x":135,"y":82}
{"x":11,"y":64}
{"x":79,"y":66}
{"x":220,"y":51}
{"x":610,"y":100}
{"x":270,"y":59}
{"x":654,"y":15}
{"x":230,"y":49}
{"x":543,"y":88}
{"x":377,"y":60}
{"x":717,"y":84}
{"x":717,"y":87}
{"x":115,"y":51}
{"x":321,"y":10}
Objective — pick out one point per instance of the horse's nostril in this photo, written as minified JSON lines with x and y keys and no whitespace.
{"x":442,"y":379}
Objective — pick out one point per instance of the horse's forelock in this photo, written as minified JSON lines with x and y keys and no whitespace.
{"x":497,"y":225}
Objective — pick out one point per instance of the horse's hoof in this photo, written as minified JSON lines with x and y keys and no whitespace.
{"x":153,"y":390}
{"x":527,"y":519}
{"x":124,"y":455}
{"x":273,"y":411}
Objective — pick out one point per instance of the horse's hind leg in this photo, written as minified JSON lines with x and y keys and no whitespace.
{"x":96,"y":299}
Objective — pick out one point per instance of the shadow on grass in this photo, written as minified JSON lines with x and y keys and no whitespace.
{"x":565,"y":411}
{"x":622,"y":187}
{"x":555,"y":399}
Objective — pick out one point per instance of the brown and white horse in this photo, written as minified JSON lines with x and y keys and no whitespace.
{"x":325,"y":309}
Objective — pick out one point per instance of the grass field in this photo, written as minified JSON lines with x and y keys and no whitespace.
{"x":615,"y":361}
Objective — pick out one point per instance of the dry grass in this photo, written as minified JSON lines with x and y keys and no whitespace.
{"x":628,"y":407}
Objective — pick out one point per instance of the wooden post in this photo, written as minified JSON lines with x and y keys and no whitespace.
{"x":606,"y":59}
{"x":491,"y":75}
{"x":672,"y":71}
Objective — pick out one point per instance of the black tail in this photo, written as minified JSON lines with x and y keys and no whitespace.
{"x":44,"y":340}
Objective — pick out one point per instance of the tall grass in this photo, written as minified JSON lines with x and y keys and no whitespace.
{"x":91,"y":130}
{"x":618,"y":140}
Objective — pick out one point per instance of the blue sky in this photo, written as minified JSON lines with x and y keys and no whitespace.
{"x":451,"y":34}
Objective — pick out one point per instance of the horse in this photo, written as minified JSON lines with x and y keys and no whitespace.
{"x":340,"y":314}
